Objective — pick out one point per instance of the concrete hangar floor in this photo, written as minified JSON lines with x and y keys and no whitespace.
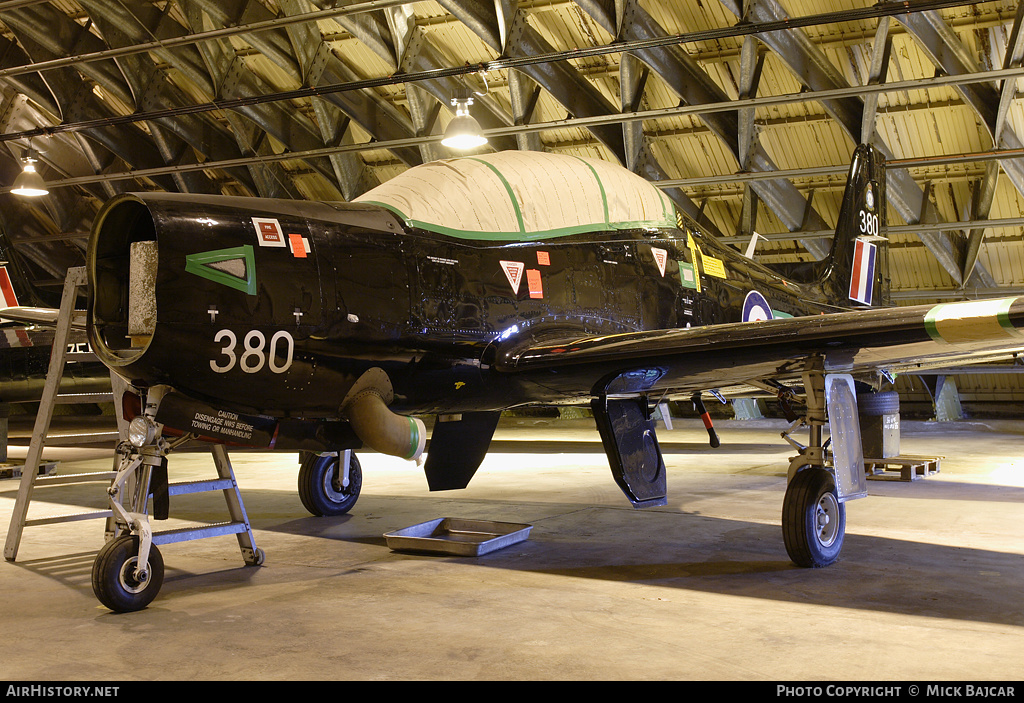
{"x":928,"y":587}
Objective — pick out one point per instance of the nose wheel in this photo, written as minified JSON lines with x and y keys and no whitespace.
{"x":813,"y":519}
{"x":120,"y":582}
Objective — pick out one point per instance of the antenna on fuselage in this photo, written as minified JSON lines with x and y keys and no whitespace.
{"x":752,"y":245}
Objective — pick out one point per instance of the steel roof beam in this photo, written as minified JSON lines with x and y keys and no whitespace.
{"x":124,"y":23}
{"x":524,"y":92}
{"x":422,"y":56}
{"x":570,"y":88}
{"x":365,"y":107}
{"x":75,"y":101}
{"x":984,"y":192}
{"x":949,"y":54}
{"x":150,"y":90}
{"x":252,"y":123}
{"x":693,"y":85}
{"x":313,"y":56}
{"x":506,"y":30}
{"x":813,"y":69}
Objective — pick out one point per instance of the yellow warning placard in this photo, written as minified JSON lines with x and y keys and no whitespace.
{"x":712,"y":266}
{"x":694,"y":255}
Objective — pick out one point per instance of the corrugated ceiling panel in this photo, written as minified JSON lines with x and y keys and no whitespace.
{"x":922,"y":121}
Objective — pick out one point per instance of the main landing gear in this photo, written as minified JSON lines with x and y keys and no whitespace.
{"x":823,"y":476}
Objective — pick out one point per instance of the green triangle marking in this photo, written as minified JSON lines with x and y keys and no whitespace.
{"x":234,"y":268}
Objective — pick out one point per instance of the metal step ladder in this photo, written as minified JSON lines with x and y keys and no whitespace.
{"x":76,"y":279}
{"x":238,"y":523}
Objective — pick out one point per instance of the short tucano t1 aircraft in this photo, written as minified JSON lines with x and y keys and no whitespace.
{"x":465,"y":287}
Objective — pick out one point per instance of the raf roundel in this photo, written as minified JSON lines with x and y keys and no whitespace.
{"x":755,"y":307}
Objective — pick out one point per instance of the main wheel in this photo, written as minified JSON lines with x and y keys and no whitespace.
{"x":114,"y":580}
{"x":813,"y":519}
{"x":320,"y":488}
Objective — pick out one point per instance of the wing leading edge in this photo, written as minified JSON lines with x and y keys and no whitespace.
{"x":717,"y":356}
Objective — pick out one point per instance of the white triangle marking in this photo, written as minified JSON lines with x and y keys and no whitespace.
{"x":661,"y":256}
{"x":514,"y":273}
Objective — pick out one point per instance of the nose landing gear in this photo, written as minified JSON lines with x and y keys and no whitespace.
{"x":129,"y":570}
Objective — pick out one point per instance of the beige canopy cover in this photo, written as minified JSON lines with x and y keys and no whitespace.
{"x":522,"y":195}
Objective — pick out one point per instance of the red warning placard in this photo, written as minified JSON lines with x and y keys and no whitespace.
{"x":300,"y":245}
{"x":533,"y":281}
{"x":268,"y":232}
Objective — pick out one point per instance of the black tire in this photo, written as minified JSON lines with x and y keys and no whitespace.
{"x":113,"y":579}
{"x":318,"y":485}
{"x":875,"y":404}
{"x":813,"y":519}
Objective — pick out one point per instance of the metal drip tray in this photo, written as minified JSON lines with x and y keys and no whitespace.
{"x":449,"y":535}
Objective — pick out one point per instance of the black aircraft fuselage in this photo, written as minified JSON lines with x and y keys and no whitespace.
{"x":424,"y":307}
{"x":287,"y":310}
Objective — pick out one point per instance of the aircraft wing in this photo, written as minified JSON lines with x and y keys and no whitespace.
{"x":46,"y":317}
{"x":717,"y":356}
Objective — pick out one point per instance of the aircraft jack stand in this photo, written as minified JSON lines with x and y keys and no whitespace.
{"x":129,"y":570}
{"x":823,"y":475}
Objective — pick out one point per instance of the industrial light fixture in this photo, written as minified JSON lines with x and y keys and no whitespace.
{"x":29,"y":182}
{"x":463,"y":132}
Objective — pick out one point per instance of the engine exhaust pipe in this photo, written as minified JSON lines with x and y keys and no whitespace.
{"x":380,"y":429}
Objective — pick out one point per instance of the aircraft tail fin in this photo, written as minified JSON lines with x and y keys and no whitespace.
{"x":16,"y":282}
{"x":8,"y":296}
{"x":858,"y":262}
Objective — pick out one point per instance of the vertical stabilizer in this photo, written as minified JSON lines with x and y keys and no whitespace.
{"x":858,"y":272}
{"x":8,"y":296}
{"x":16,"y":276}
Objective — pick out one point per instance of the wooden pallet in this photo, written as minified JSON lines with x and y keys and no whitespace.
{"x":901,"y":468}
{"x":10,"y":469}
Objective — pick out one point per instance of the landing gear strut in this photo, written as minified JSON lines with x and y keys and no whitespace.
{"x":128,"y":571}
{"x":824,"y":475}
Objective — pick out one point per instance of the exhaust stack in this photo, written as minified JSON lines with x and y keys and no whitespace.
{"x":380,"y":429}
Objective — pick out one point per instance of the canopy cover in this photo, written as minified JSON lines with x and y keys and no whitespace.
{"x":522,"y":195}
